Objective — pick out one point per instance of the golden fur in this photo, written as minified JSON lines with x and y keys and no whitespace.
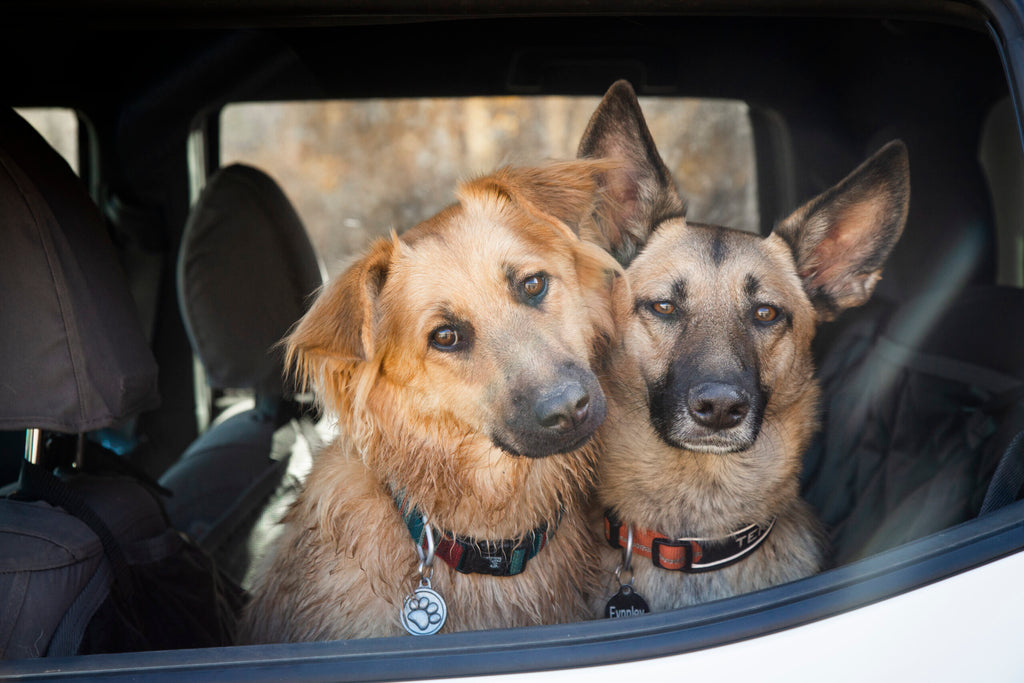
{"x":414,"y":418}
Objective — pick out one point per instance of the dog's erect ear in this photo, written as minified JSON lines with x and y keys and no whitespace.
{"x":841,"y":238}
{"x":639,"y":189}
{"x":340,"y":324}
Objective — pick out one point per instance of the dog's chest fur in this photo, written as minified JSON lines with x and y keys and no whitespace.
{"x":347,"y":563}
{"x":682,"y":494}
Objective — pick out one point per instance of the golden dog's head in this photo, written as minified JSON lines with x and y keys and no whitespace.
{"x":470,"y":340}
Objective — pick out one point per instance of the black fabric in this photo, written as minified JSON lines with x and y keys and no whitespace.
{"x":37,"y":483}
{"x":148,"y":588}
{"x":918,"y":407}
{"x":246,"y":271}
{"x":1008,"y":478}
{"x":47,"y":558}
{"x":73,"y":356}
{"x":221,"y":485}
{"x":950,"y":238}
{"x":182,"y":601}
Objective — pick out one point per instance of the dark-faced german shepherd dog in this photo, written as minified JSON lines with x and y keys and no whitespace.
{"x":712,"y":396}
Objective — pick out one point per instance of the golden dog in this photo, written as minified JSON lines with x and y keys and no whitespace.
{"x":459,"y":361}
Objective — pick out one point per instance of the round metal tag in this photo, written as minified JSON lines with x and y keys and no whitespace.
{"x":424,"y":612}
{"x":626,"y":603}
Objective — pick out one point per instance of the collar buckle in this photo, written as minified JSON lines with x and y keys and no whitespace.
{"x":675,"y":555}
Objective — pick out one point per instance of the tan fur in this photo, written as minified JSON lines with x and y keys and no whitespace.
{"x":664,"y":469}
{"x":683,"y":493}
{"x":417,"y":419}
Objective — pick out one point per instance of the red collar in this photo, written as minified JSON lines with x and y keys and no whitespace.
{"x":689,"y":555}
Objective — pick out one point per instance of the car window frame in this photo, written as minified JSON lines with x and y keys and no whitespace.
{"x":592,"y":643}
{"x":908,"y":567}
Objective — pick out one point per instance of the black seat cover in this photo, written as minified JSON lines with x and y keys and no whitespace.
{"x":75,"y":548}
{"x":73,"y":356}
{"x":245,"y":272}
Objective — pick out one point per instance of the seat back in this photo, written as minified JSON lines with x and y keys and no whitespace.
{"x":73,"y":356}
{"x":89,"y":563}
{"x":914,"y":425}
{"x":246,"y":272}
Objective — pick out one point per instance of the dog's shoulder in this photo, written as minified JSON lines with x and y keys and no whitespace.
{"x":332,"y":574}
{"x":797,"y":546}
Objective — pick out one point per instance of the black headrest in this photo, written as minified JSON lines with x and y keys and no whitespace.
{"x":73,"y":356}
{"x":246,"y":271}
{"x":950,"y":239}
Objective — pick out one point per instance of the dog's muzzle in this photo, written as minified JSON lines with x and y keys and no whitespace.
{"x":707,"y":417}
{"x":557,"y":417}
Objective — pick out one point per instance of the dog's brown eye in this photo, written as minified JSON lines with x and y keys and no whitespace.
{"x":444,"y":338}
{"x":663,"y":307}
{"x":535,"y":285}
{"x":765,"y":313}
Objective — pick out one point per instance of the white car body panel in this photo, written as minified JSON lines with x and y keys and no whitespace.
{"x":965,"y":628}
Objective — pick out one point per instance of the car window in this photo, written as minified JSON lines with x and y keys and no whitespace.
{"x":59,"y":126}
{"x":368,"y":122}
{"x":360,"y":168}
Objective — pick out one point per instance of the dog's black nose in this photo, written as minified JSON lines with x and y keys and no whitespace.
{"x":564,"y":409}
{"x":717,"y":405}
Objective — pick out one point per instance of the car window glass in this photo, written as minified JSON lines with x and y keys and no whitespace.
{"x":356,"y":169}
{"x":59,"y":126}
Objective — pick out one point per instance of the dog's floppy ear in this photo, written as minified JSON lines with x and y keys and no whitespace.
{"x":565,"y":196}
{"x":565,"y":191}
{"x":339,"y":326}
{"x":841,"y":238}
{"x":639,"y":189}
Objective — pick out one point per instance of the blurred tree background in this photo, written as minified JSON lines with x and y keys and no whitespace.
{"x":357,"y":169}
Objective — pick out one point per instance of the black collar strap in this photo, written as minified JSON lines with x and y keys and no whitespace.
{"x":468,"y":556}
{"x":689,"y":555}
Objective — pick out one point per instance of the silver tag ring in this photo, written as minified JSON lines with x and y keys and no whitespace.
{"x":426,"y":558}
{"x":627,"y":552}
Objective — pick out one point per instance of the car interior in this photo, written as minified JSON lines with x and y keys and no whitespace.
{"x":142,"y":299}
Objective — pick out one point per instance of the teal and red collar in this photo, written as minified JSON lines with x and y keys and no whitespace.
{"x":688,"y":555}
{"x":496,"y":558}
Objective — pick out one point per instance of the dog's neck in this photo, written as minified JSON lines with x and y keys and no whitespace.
{"x":684,"y":493}
{"x":506,"y":557}
{"x":467,"y":485}
{"x":688,"y":555}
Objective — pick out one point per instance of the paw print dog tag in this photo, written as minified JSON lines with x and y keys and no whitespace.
{"x":424,"y":612}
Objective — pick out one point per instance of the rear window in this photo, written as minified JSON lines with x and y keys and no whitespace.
{"x":59,"y":126}
{"x":360,"y":168}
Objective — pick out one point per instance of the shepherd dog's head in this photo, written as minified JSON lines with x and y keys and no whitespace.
{"x":717,"y":323}
{"x":459,"y":355}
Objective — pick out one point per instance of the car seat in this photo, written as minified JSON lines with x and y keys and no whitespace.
{"x":246,"y":272}
{"x":72,"y":354}
{"x":89,"y":563}
{"x":922,"y":388}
